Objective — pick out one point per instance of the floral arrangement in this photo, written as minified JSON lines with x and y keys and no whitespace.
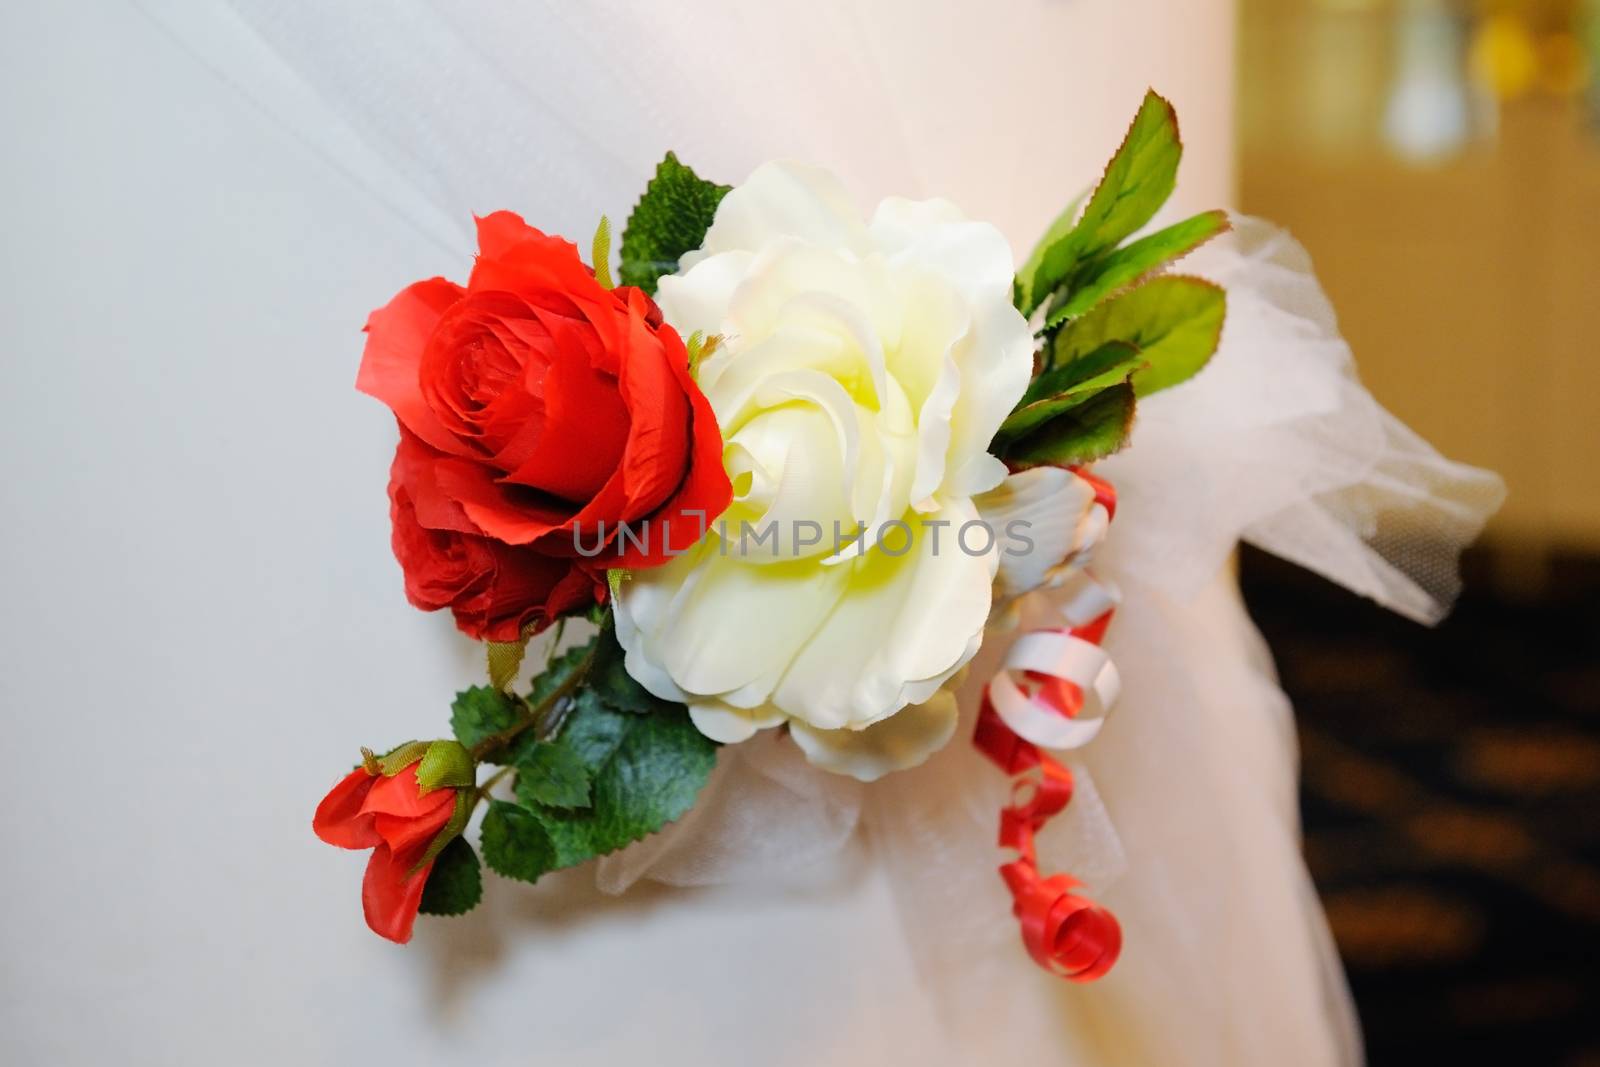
{"x":788,"y":469}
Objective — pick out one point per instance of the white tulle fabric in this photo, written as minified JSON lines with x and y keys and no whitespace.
{"x":1185,"y":820}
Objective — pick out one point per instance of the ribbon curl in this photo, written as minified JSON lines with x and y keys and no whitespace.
{"x":1053,"y":691}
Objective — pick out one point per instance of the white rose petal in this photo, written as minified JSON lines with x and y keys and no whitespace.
{"x":900,"y":741}
{"x":863,"y":370}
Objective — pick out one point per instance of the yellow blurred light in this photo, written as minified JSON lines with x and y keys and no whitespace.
{"x":1504,"y":56}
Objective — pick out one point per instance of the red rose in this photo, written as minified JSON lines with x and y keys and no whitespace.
{"x":399,"y":822}
{"x":536,"y":406}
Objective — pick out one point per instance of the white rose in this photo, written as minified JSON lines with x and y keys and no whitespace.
{"x":863,"y":370}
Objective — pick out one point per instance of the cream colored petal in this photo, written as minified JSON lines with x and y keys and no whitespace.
{"x":901,"y":627}
{"x":729,"y":725}
{"x":935,"y":323}
{"x":788,"y":271}
{"x":904,"y":739}
{"x":733,"y":627}
{"x":698,"y":298}
{"x":996,"y":355}
{"x":786,"y":199}
{"x":899,"y":222}
{"x":643,"y":608}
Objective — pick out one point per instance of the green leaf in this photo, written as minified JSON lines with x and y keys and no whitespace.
{"x":481,"y":712}
{"x":455,"y":885}
{"x":1064,"y":387}
{"x":1028,"y":274}
{"x":515,"y":843}
{"x":649,"y":778}
{"x":1176,"y":322}
{"x":1136,"y":183}
{"x":1125,"y":267}
{"x":609,"y":677}
{"x":552,"y":775}
{"x":558,"y":672}
{"x":1087,"y":432}
{"x":593,"y":731}
{"x":670,"y":219}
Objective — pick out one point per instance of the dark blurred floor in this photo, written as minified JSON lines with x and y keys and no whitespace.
{"x":1451,"y":793}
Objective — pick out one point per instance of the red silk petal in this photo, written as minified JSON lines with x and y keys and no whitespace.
{"x":397,"y":334}
{"x":705,"y":488}
{"x":581,"y":404}
{"x":399,"y":795}
{"x":340,"y":820}
{"x":391,"y":894}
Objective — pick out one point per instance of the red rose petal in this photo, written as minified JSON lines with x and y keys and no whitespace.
{"x":399,"y":795}
{"x":340,"y":819}
{"x":391,"y":894}
{"x":397,"y":333}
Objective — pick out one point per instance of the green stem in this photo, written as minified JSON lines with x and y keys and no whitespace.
{"x":483,"y":790}
{"x":546,"y":718}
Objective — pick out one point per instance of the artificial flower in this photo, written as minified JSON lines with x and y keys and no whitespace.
{"x":863,"y":370}
{"x":539,"y":411}
{"x":406,"y":824}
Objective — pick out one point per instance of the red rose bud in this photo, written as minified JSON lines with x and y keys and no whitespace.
{"x":538,"y":410}
{"x":405,"y":806}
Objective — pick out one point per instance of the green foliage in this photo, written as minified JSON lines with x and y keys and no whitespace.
{"x":1121,"y":268}
{"x":670,"y":219}
{"x":514,"y":842}
{"x":655,"y":768}
{"x":1087,"y":432}
{"x":611,"y":778}
{"x":1175,"y":322}
{"x":455,"y":885}
{"x":609,"y":677}
{"x":479,"y":713}
{"x":552,"y":775}
{"x":1064,"y":387}
{"x":1136,"y":183}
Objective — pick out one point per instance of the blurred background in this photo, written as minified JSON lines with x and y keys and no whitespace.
{"x":1441,"y":160}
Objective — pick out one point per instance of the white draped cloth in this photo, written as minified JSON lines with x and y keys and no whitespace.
{"x":816,"y":919}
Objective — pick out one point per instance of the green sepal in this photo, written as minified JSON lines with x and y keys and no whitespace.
{"x":515,"y":843}
{"x":670,"y":219}
{"x":601,"y":254}
{"x":1063,"y":387}
{"x":553,"y":775}
{"x":1137,"y":181}
{"x":1176,"y":322}
{"x":395,"y":760}
{"x":445,"y":763}
{"x":455,"y":885}
{"x":1087,"y":432}
{"x":1122,"y":268}
{"x":505,"y":660}
{"x":459,"y":818}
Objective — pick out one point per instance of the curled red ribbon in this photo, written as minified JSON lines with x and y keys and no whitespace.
{"x":1065,"y":932}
